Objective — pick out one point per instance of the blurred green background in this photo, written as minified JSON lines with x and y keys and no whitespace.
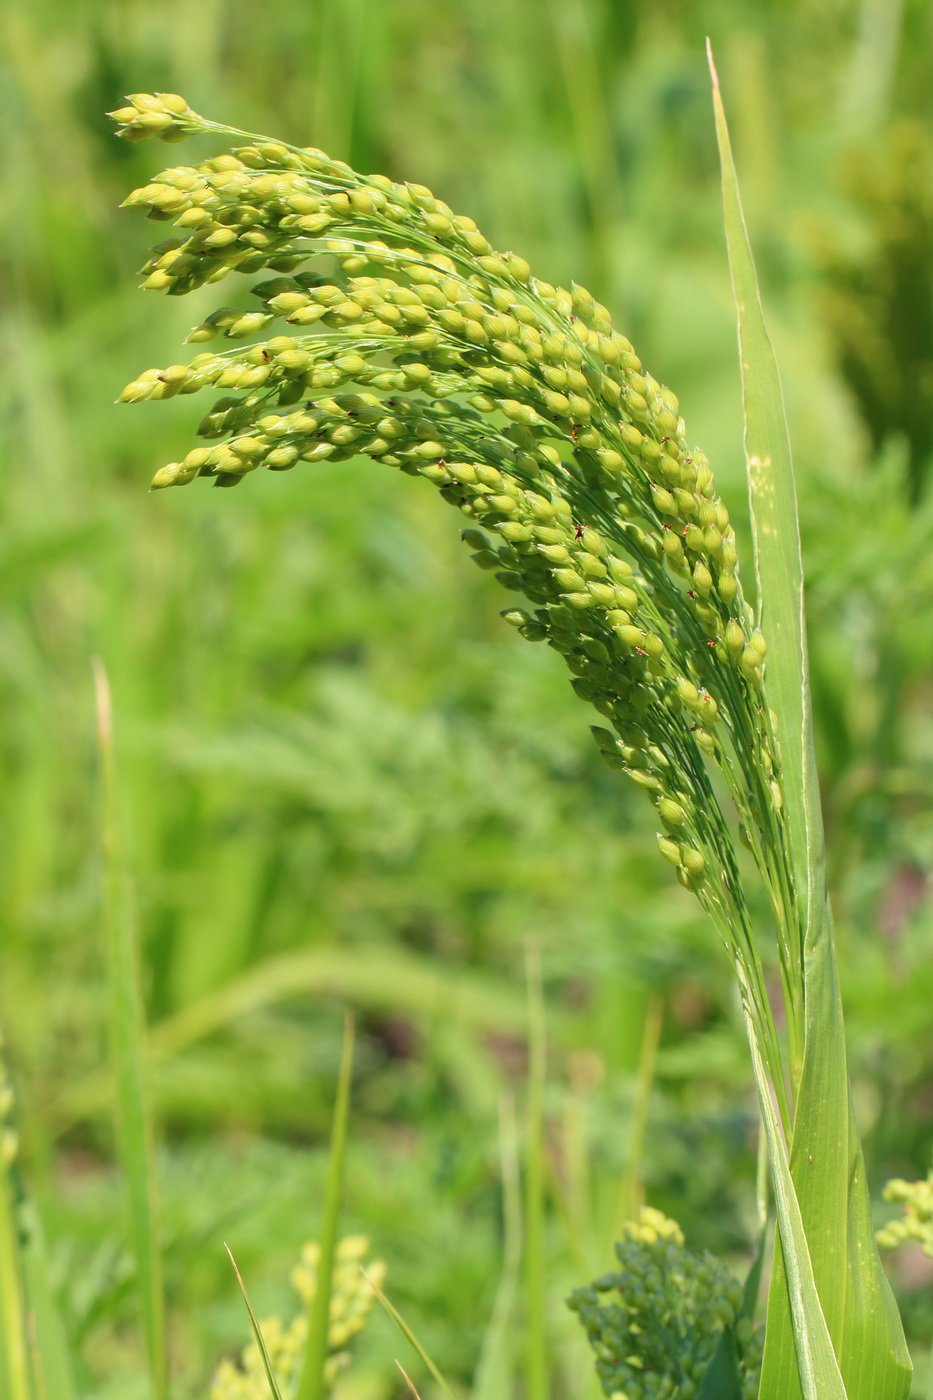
{"x":346,"y":782}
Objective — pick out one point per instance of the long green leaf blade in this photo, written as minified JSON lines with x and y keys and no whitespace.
{"x":14,"y":1351}
{"x":805,"y":1356}
{"x":257,"y":1331}
{"x":826,"y":1168}
{"x":51,"y":1358}
{"x":536,"y":1366}
{"x":127,"y":1032}
{"x":494,"y":1372}
{"x":406,"y":1331}
{"x":312,"y":1383}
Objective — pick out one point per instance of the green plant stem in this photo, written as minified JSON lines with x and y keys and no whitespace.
{"x":494,"y":1371}
{"x":536,"y":1366}
{"x":406,"y":1331}
{"x":631,"y":1192}
{"x":127,"y":1033}
{"x":12,"y":1301}
{"x":257,"y":1330}
{"x":312,"y":1383}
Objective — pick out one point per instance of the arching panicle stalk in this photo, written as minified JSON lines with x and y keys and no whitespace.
{"x":399,"y":333}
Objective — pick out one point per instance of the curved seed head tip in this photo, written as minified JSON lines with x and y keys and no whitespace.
{"x":166,"y":476}
{"x":164,"y":114}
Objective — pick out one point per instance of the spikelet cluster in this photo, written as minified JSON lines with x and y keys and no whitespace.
{"x":655,"y":1322}
{"x":350,"y":1305}
{"x":387,"y":325}
{"x":917,"y":1220}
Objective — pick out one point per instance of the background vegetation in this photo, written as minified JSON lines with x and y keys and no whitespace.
{"x":345,"y":780}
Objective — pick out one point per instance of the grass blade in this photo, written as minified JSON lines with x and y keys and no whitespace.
{"x":494,"y":1371}
{"x":257,"y":1330}
{"x":127,"y":1032}
{"x":408,"y":1381}
{"x":311,"y":1385}
{"x":386,"y":979}
{"x":825,"y":1185}
{"x":404,"y":1328}
{"x":50,"y":1354}
{"x":721,"y":1379}
{"x":536,"y":1368}
{"x":14,"y":1351}
{"x":805,"y":1358}
{"x":866,"y":92}
{"x":631,"y":1194}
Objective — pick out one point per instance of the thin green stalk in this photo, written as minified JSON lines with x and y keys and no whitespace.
{"x":408,"y":1380}
{"x":536,"y":1364}
{"x":312,"y":1383}
{"x":494,"y":1371}
{"x":257,"y":1330}
{"x":631,"y":1192}
{"x":406,"y":1331}
{"x":338,"y":35}
{"x":12,"y":1301}
{"x":865,"y":97}
{"x":571,"y":22}
{"x":128,"y":1047}
{"x":51,"y":1358}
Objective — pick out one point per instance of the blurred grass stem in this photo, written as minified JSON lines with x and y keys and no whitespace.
{"x":127,"y":1033}
{"x":312,"y":1385}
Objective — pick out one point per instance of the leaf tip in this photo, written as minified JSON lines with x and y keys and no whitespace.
{"x":712,"y":64}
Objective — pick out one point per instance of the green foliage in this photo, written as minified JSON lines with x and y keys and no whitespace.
{"x":128,"y":1051}
{"x":576,"y":463}
{"x":878,"y":294}
{"x":317,"y":779}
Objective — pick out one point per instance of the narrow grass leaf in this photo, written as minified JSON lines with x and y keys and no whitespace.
{"x":257,"y":1331}
{"x":127,"y":1032}
{"x":406,"y":1331}
{"x":866,"y":91}
{"x":826,"y":1185}
{"x":408,"y":1380}
{"x":50,"y":1352}
{"x":494,"y":1372}
{"x":722,"y":1379}
{"x":312,"y":1383}
{"x":536,"y":1367}
{"x":806,"y":1361}
{"x":14,"y":1350}
{"x":386,"y":979}
{"x":631,"y":1194}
